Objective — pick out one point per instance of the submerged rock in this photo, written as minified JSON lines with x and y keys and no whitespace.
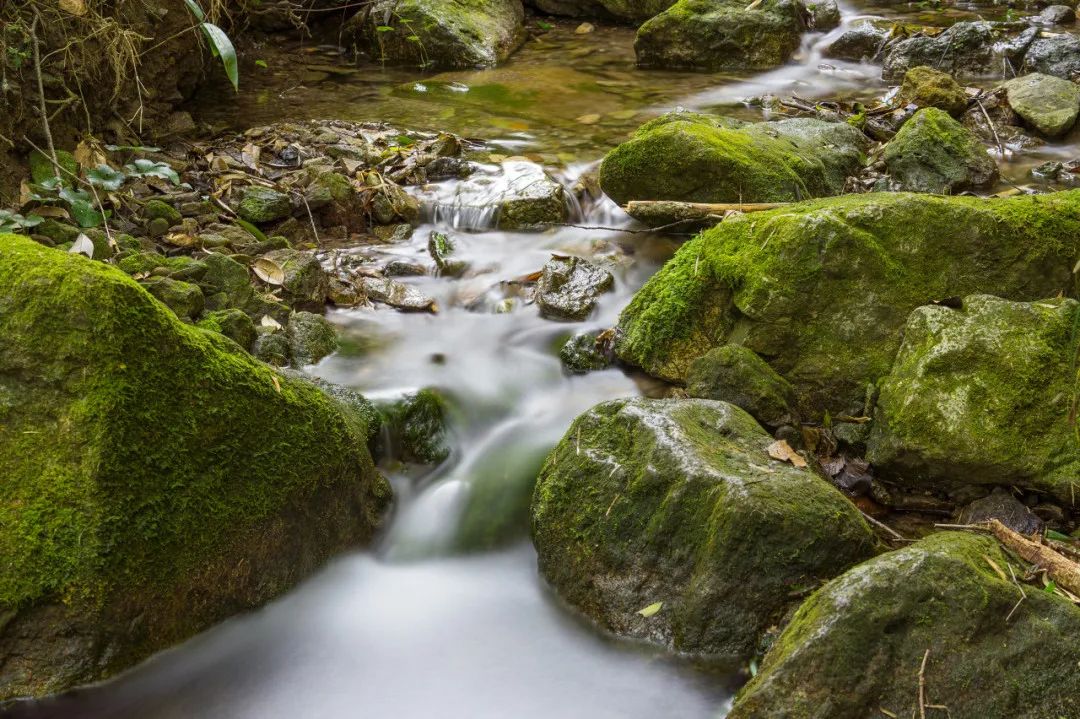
{"x":414,"y":428}
{"x":966,"y":48}
{"x":705,"y":158}
{"x":721,"y":35}
{"x":982,"y":395}
{"x":926,"y":87}
{"x":569,"y":287}
{"x":734,"y":374}
{"x":582,"y":354}
{"x":667,"y":520}
{"x":822,"y":289}
{"x":443,"y":33}
{"x":855,"y":648}
{"x":157,"y":479}
{"x":935,"y":153}
{"x":1046,"y":103}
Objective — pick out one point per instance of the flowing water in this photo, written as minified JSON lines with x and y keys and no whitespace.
{"x":414,"y":627}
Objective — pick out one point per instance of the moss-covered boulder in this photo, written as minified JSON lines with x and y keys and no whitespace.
{"x":154,"y":479}
{"x":856,"y":647}
{"x":226,"y":277}
{"x":821,"y":289}
{"x":705,"y":158}
{"x":444,"y":34}
{"x":1046,"y":103}
{"x":183,"y":298}
{"x":935,"y":153}
{"x":232,"y":323}
{"x":926,"y":87}
{"x":964,"y":49}
{"x":721,"y":35}
{"x":676,"y":503}
{"x":735,"y":374}
{"x":305,"y":282}
{"x":415,"y":428}
{"x":983,"y":395}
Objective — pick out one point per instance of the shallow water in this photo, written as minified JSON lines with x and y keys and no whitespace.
{"x":412,"y":628}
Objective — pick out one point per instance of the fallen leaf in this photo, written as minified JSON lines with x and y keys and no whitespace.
{"x":74,"y":7}
{"x":585,"y":28}
{"x":993,"y":565}
{"x":269,"y":271}
{"x":782,"y":451}
{"x":82,"y":246}
{"x":52,"y":212}
{"x":277,"y":384}
{"x":250,"y":155}
{"x":651,"y":610}
{"x":268,"y":321}
{"x":181,"y":239}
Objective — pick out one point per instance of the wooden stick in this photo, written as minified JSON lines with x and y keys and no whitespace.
{"x":922,"y":685}
{"x":700,"y":210}
{"x":1063,"y":571}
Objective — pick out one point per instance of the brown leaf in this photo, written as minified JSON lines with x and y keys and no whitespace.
{"x":74,"y":7}
{"x":269,"y":271}
{"x":782,"y":451}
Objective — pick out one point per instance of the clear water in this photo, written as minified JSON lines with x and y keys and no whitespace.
{"x":413,"y":628}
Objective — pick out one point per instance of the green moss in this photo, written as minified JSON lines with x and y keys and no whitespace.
{"x":935,"y":153}
{"x":678,"y":501}
{"x":232,"y":323}
{"x":140,"y":454}
{"x":416,"y":428}
{"x":731,"y":373}
{"x":821,"y":289}
{"x":926,"y":87}
{"x":854,"y":649}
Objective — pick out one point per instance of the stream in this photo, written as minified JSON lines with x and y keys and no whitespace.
{"x":414,"y":627}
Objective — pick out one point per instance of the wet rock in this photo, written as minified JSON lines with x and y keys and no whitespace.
{"x":821,"y":15}
{"x":935,"y":153}
{"x":530,"y":198}
{"x":159,"y":210}
{"x":404,"y":268}
{"x":736,"y":375}
{"x":232,"y":323}
{"x":183,"y":298}
{"x":965,"y":49}
{"x":1046,"y":103}
{"x":395,"y":233}
{"x":981,"y":395}
{"x":1058,"y":55}
{"x":311,"y":337}
{"x":926,"y":87}
{"x":1056,"y":15}
{"x":705,"y":158}
{"x":181,"y":461}
{"x":721,"y":35}
{"x":272,"y":347}
{"x":260,"y":205}
{"x":415,"y":428}
{"x":396,"y":294}
{"x":569,"y":287}
{"x":345,"y":293}
{"x":860,"y":43}
{"x":581,"y":354}
{"x":864,"y":263}
{"x":306,"y":284}
{"x":940,"y":596}
{"x":677,"y":502}
{"x":1005,"y":508}
{"x":441,"y":248}
{"x":444,"y":34}
{"x":390,"y":204}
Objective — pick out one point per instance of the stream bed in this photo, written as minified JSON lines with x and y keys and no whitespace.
{"x":414,"y":627}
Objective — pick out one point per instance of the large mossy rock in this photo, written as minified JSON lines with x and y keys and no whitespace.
{"x":721,"y":35}
{"x":822,"y":289}
{"x":935,"y":153}
{"x":677,"y":501}
{"x":154,"y":478}
{"x":855,"y":648}
{"x":1046,"y":103}
{"x":705,"y":158}
{"x":983,"y":395}
{"x":445,"y":34}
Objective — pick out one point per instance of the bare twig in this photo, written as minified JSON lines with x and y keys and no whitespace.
{"x":922,"y":685}
{"x":41,"y":86}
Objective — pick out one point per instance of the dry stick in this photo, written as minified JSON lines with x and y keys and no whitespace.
{"x":885,"y":528}
{"x":41,"y":87}
{"x":922,"y":685}
{"x":1063,"y":571}
{"x":1023,"y":594}
{"x":1001,"y":148}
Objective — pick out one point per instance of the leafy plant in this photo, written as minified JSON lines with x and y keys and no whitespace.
{"x":220,"y":44}
{"x":12,"y":222}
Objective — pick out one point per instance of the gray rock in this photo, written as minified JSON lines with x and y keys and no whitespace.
{"x":530,"y":197}
{"x":966,"y":48}
{"x":821,"y":15}
{"x":861,"y":43}
{"x":1058,"y":56}
{"x":1046,"y":103}
{"x":580,"y":354}
{"x":1056,"y":15}
{"x":311,"y":337}
{"x":569,"y":287}
{"x":396,"y":294}
{"x":1005,"y":508}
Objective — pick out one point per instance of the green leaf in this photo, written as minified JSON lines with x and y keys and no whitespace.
{"x":384,"y":28}
{"x":252,"y":229}
{"x":12,"y":222}
{"x":224,"y":49}
{"x":197,"y":11}
{"x":651,"y":610}
{"x":131,"y":148}
{"x":106,"y":178}
{"x":545,"y":25}
{"x":261,"y":63}
{"x":1049,"y":588}
{"x":148,"y":168}
{"x":85,"y":214}
{"x":1051,"y":534}
{"x":413,"y":38}
{"x":71,"y":195}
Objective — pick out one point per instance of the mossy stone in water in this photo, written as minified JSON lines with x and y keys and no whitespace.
{"x":855,"y":648}
{"x":1048,"y":104}
{"x":735,"y":374}
{"x":927,"y":87}
{"x":232,"y":323}
{"x":721,"y":35}
{"x":157,"y":479}
{"x":415,"y":428}
{"x":822,"y":289}
{"x":935,"y":153}
{"x":580,"y":354}
{"x":677,"y":501}
{"x":983,"y":395}
{"x":311,"y":338}
{"x":704,"y":158}
{"x":306,"y":283}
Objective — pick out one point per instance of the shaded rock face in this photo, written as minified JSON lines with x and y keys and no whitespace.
{"x":723,"y":35}
{"x":965,"y":49}
{"x":1046,"y":103}
{"x":156,"y":478}
{"x":821,"y":290}
{"x":444,"y":34}
{"x":569,"y":287}
{"x":854,"y":649}
{"x":704,"y":158}
{"x":677,"y":501}
{"x":982,"y":395}
{"x":935,"y":153}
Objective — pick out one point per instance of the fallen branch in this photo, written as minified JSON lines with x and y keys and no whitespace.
{"x":1063,"y":571}
{"x":660,"y":212}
